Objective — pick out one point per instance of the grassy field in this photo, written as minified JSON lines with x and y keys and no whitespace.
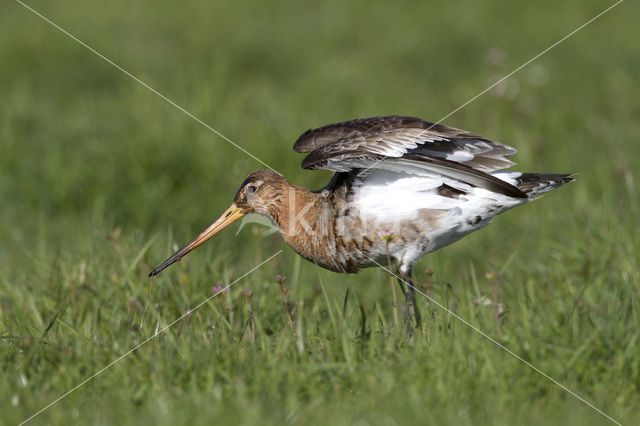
{"x":100,"y":180}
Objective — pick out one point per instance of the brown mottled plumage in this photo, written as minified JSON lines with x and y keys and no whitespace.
{"x":313,"y":223}
{"x":422,"y":185}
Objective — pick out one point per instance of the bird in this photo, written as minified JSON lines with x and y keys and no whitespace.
{"x":401,"y":187}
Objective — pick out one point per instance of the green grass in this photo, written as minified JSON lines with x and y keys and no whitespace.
{"x":100,"y":179}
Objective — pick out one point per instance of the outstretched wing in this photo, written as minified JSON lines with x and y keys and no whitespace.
{"x":408,"y":145}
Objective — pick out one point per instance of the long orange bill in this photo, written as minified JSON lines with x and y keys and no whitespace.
{"x":232,"y":214}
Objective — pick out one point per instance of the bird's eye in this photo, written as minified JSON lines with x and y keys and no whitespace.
{"x":251,"y":189}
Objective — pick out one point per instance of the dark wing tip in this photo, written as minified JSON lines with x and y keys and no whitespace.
{"x":299,"y":145}
{"x":566,"y":178}
{"x":535,"y":184}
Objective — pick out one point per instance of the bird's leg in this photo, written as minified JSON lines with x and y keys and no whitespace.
{"x":409,"y":298}
{"x":407,"y":316}
{"x":412,"y":299}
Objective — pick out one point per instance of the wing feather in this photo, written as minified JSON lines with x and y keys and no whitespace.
{"x":425,"y":166}
{"x":424,"y":147}
{"x":395,"y":136}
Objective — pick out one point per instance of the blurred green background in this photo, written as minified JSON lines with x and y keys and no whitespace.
{"x":100,"y":179}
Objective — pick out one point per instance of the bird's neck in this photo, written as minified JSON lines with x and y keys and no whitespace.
{"x":296,"y":212}
{"x":308,"y":222}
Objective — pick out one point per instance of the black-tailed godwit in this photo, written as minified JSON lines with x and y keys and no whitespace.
{"x":402,"y":187}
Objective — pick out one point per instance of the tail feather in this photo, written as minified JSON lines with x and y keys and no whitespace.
{"x":535,"y":184}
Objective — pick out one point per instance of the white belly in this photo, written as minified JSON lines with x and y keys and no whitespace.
{"x":420,"y":219}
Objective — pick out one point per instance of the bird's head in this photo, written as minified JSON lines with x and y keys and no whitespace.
{"x":257,"y":194}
